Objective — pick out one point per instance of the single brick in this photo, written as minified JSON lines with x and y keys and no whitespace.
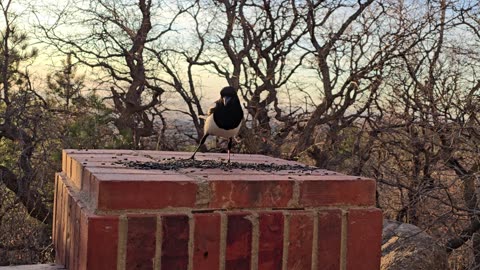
{"x":68,"y":167}
{"x":160,"y":155}
{"x":64,"y":161}
{"x":175,"y":230}
{"x":83,"y":240}
{"x":364,"y":231}
{"x":206,"y":249}
{"x":300,"y":240}
{"x":95,"y":152}
{"x":87,"y":181}
{"x":270,"y":248}
{"x":352,"y":191}
{"x":66,"y":229}
{"x":73,"y":232}
{"x":329,"y":239}
{"x":126,"y":170}
{"x":214,"y":174}
{"x":141,"y":242}
{"x":93,"y":190}
{"x":63,"y":225}
{"x":76,"y":237}
{"x":102,"y":242}
{"x":239,"y":242}
{"x":117,"y":195}
{"x":76,"y":173}
{"x":263,"y":193}
{"x":54,"y":208}
{"x":69,"y":258}
{"x":57,"y":217}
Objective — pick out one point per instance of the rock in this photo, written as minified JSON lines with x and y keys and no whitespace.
{"x":405,"y":246}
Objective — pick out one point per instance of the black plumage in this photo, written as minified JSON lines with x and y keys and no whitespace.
{"x":224,"y":119}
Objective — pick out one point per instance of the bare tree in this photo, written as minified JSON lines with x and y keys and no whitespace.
{"x":350,"y":56}
{"x":113,"y":38}
{"x":425,"y":129}
{"x":260,"y":42}
{"x":179,"y":63}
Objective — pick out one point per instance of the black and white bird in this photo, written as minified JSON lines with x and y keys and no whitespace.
{"x":224,"y":119}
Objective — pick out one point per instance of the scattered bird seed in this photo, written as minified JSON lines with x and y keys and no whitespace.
{"x":177,"y":164}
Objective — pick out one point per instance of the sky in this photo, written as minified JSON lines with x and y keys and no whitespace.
{"x":49,"y":60}
{"x":37,"y":11}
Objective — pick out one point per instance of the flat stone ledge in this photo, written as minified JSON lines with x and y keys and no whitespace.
{"x":34,"y":267}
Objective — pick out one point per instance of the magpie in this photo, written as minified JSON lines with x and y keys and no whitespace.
{"x":223,"y":119}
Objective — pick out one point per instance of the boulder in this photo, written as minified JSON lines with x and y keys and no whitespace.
{"x":405,"y":246}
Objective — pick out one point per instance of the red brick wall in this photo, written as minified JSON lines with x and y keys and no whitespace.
{"x":110,"y":217}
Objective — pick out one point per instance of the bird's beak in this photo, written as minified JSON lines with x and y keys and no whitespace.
{"x":226,"y":100}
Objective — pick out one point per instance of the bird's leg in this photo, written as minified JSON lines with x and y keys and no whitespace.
{"x":202,"y":141}
{"x":229,"y":147}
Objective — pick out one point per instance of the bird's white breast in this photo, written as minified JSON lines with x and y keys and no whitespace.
{"x":212,"y":129}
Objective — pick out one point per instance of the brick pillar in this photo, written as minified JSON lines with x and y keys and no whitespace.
{"x":108,"y":216}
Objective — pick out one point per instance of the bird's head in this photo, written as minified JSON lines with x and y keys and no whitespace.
{"x":228,"y":94}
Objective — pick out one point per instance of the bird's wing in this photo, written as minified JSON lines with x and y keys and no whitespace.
{"x":210,"y":110}
{"x":214,"y":107}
